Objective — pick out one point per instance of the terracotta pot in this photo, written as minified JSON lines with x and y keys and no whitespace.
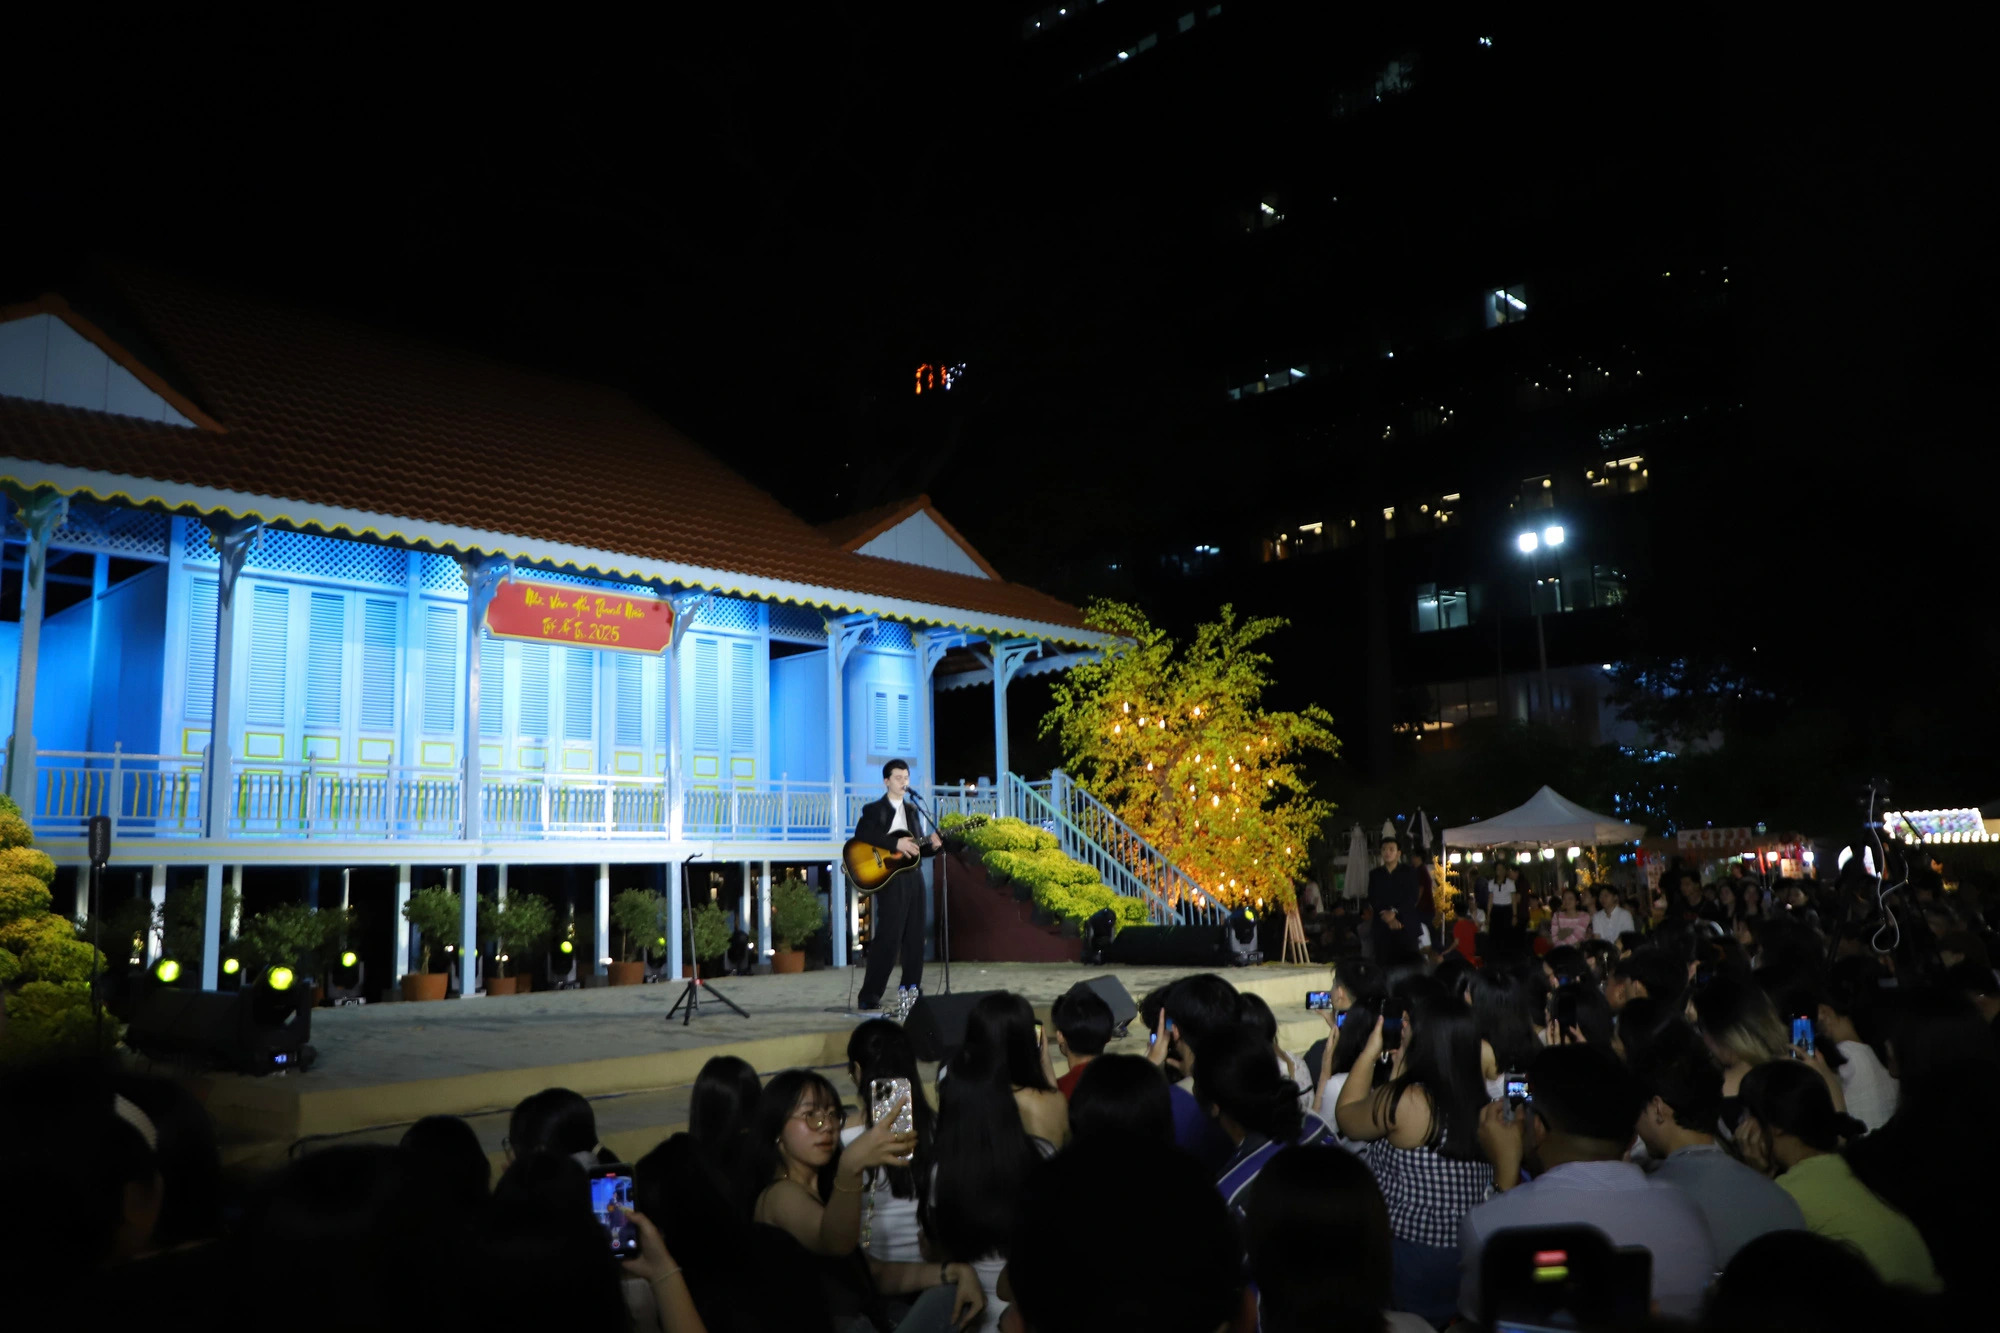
{"x":626,"y":974}
{"x":424,"y":986}
{"x":788,"y":960}
{"x":502,"y":985}
{"x":524,"y":984}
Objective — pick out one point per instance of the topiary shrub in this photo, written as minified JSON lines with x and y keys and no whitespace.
{"x":44,"y":969}
{"x":437,"y":914}
{"x":517,"y":925}
{"x":637,"y":914}
{"x":711,"y":932}
{"x":181,"y":920}
{"x":796,"y":912}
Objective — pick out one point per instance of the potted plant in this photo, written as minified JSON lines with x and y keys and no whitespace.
{"x":796,"y":914}
{"x":711,"y":937}
{"x":636,"y":913}
{"x":515,"y":927}
{"x":290,"y":935}
{"x":436,"y":913}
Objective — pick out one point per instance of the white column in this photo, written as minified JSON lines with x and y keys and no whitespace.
{"x":603,"y":916}
{"x":674,"y":921}
{"x":468,"y":930}
{"x":685,"y":607}
{"x":932,"y":645}
{"x":743,"y":919}
{"x":500,"y":874}
{"x":159,"y":899}
{"x":841,"y":636}
{"x":41,"y":515}
{"x":402,"y":963}
{"x":211,"y":928}
{"x":840,"y":917}
{"x":236,"y":913}
{"x":764,"y":914}
{"x":1003,"y":659}
{"x":482,"y":577}
{"x":232,"y":539}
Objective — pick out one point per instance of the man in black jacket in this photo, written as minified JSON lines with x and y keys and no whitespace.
{"x":892,"y":824}
{"x":1392,"y":891}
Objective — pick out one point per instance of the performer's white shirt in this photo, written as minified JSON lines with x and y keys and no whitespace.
{"x":897,"y":825}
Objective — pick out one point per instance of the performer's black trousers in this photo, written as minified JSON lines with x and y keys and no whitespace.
{"x":899,"y":927}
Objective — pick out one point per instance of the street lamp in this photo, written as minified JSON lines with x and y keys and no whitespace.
{"x":1529,"y":544}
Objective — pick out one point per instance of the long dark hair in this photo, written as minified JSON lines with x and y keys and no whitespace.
{"x":1318,"y":1236}
{"x":1791,"y":1096}
{"x":553,"y":1120}
{"x":1236,"y":1072}
{"x":1121,"y":1098}
{"x":882,"y":1049}
{"x":1441,"y":1059}
{"x":1000,"y":1044}
{"x":724,"y":1099}
{"x":762,"y":1159}
{"x":983,"y":1157}
{"x":1505,"y":1010}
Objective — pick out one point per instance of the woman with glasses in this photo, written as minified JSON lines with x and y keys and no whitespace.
{"x":813,"y":1192}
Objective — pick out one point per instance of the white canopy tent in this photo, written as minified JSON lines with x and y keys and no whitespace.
{"x":1545,"y":819}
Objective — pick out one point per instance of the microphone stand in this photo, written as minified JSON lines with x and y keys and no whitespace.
{"x":944,"y":896}
{"x":691,"y":994}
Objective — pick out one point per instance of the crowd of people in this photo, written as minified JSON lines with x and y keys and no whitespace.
{"x":1780,"y":1114}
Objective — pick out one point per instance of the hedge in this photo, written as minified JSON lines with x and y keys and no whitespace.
{"x":1016,"y":851}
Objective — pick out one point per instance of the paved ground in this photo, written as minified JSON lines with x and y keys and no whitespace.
{"x":362,"y":1046}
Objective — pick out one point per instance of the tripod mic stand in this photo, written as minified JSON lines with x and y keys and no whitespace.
{"x":944,"y":898}
{"x":690,"y":997}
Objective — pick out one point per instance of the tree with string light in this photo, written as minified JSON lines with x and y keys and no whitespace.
{"x":1177,"y":742}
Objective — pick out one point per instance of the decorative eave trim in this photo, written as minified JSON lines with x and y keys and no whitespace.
{"x":332,"y":520}
{"x":52,"y":304}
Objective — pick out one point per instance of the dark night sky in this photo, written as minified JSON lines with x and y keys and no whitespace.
{"x":761,"y":219}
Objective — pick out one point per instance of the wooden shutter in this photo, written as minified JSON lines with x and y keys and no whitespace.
{"x":492,"y":684}
{"x":440,"y":668}
{"x":270,"y":637}
{"x":379,"y":619}
{"x":326,"y":659}
{"x":628,"y":674}
{"x":535,"y":690}
{"x":202,"y":605}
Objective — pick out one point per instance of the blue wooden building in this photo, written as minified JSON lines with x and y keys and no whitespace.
{"x":254,"y":551}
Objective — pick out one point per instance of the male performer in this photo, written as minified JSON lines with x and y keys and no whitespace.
{"x":891,"y":824}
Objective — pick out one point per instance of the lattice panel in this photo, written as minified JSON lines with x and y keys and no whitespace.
{"x":441,"y":574}
{"x":729,"y":613}
{"x":109,"y":528}
{"x":801,"y":623}
{"x":892,"y":635}
{"x":280,"y":551}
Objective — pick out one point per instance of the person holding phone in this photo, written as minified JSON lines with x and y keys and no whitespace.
{"x":1421,"y":1131}
{"x":881,"y":1050}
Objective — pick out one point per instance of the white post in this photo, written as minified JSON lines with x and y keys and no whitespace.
{"x":41,"y":515}
{"x":674,"y":921}
{"x":468,"y":930}
{"x":159,"y":898}
{"x":743,"y":902}
{"x":838,"y":913}
{"x":841,"y":636}
{"x":500,"y":873}
{"x":764,"y":914}
{"x":931,"y":648}
{"x":603,"y":915}
{"x":402,"y":924}
{"x":231,"y":538}
{"x":482,"y":578}
{"x":684,"y":605}
{"x":211,"y":928}
{"x":236,"y":913}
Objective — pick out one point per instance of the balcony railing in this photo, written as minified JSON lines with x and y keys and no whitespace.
{"x":160,"y":796}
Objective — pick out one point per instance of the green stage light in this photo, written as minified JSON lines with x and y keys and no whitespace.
{"x":230,"y":967}
{"x":347,"y":959}
{"x":281,"y":978}
{"x":663,"y":941}
{"x":167,"y":970}
{"x":567,"y":947}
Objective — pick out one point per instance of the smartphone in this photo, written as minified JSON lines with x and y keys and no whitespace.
{"x":1319,"y":999}
{"x":1038,"y":1034}
{"x":1392,"y":1025}
{"x":1802,"y":1033}
{"x":1340,"y":1019}
{"x":613,"y":1185}
{"x":1564,"y":1012}
{"x":883,"y":1093}
{"x":1517,"y":1089}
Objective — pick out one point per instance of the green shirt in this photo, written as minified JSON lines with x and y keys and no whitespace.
{"x":1840,"y":1207}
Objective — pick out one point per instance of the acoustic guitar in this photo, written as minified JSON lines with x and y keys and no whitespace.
{"x":870,"y":869}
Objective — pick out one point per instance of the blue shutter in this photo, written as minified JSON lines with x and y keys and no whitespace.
{"x":326,"y":658}
{"x":628,"y":675}
{"x":878,"y":720}
{"x":707,"y":686}
{"x":270,"y":635}
{"x":742,"y":697}
{"x":378,"y":664}
{"x":905,"y":725}
{"x":202,"y":598}
{"x":534,"y":690}
{"x":492,"y":683}
{"x":667,"y":664}
{"x":580,"y":694}
{"x":440,"y":668}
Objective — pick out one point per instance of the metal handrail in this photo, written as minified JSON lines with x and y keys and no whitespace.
{"x":1036,"y":808}
{"x":1098,"y":826}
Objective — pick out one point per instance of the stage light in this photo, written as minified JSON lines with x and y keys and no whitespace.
{"x":167,"y":970}
{"x":1548,"y":853}
{"x":347,"y":959}
{"x":1575,"y":852}
{"x":1528,"y":542}
{"x":279,"y":978}
{"x":1552,"y":536}
{"x":230,"y":967}
{"x":567,"y":947}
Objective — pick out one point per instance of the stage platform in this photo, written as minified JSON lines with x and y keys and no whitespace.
{"x":384,"y":1066}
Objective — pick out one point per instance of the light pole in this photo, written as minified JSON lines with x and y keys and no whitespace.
{"x":1529,"y":543}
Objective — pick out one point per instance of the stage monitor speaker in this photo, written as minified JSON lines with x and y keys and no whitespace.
{"x":1112,"y":991}
{"x":937,"y":1023}
{"x":1190,"y":946}
{"x":256,"y":1030}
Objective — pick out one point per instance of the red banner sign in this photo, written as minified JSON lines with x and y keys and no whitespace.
{"x":561,"y":613}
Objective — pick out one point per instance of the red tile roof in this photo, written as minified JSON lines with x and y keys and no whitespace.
{"x":323,"y":412}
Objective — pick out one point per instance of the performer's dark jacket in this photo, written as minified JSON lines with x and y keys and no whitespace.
{"x":876,"y":816}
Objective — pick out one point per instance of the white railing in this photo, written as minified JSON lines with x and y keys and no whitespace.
{"x":150,"y":795}
{"x":1089,"y":832}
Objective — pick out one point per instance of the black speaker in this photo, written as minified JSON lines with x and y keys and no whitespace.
{"x":256,"y":1030}
{"x":1191,"y":946}
{"x":937,"y":1023}
{"x":1112,"y":991}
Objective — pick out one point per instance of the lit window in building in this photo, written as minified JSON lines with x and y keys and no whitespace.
{"x":1506,"y":305}
{"x":1268,"y":213}
{"x":1607,"y":585}
{"x":1619,"y":476}
{"x":1538,"y":493}
{"x":1439,"y":608}
{"x":1275,"y":380}
{"x":938,"y":379}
